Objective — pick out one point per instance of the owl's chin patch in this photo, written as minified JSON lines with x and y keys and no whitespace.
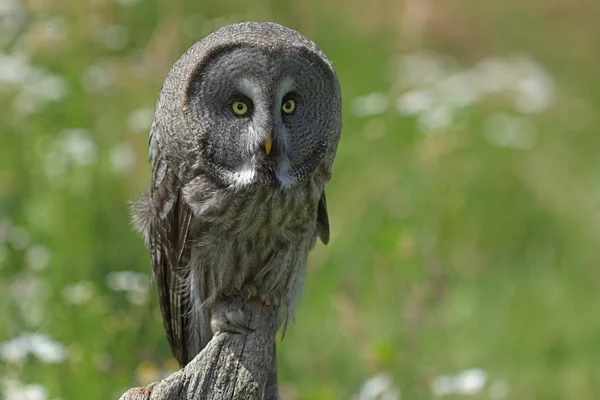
{"x":245,"y":176}
{"x":252,"y":177}
{"x":276,"y":173}
{"x":265,"y":172}
{"x":266,"y":181}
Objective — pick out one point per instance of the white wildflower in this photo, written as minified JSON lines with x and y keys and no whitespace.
{"x":457,"y":90}
{"x":128,"y":281}
{"x":141,"y":119}
{"x":34,"y":86}
{"x":468,"y":382}
{"x":18,"y":237}
{"x":15,"y":390}
{"x":514,"y":132}
{"x":78,"y":293}
{"x":370,"y":105}
{"x":14,"y":351}
{"x":534,"y":90}
{"x":122,"y":158}
{"x":135,"y":284}
{"x":12,"y":16}
{"x":422,"y":69}
{"x":415,"y":102}
{"x":435,"y":119}
{"x":37,"y":257}
{"x":379,"y":387}
{"x":99,"y":76}
{"x":492,"y":75}
{"x":14,"y":69}
{"x":46,"y":349}
{"x":37,"y":344}
{"x":28,"y":291}
{"x":78,"y":145}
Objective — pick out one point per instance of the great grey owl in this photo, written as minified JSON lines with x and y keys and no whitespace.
{"x":244,"y":135}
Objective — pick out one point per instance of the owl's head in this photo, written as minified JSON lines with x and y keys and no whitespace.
{"x":252,"y":104}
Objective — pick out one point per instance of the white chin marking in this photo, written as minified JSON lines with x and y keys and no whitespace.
{"x":242,"y":177}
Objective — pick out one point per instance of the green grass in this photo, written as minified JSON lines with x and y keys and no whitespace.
{"x":447,"y":252}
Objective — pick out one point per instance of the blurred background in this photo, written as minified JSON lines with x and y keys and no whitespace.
{"x":464,"y":204}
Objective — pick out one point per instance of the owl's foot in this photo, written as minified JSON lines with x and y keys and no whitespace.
{"x":250,"y":291}
{"x":233,"y":318}
{"x":232,"y":321}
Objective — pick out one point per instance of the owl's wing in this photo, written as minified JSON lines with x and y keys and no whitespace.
{"x":323,"y":220}
{"x":170,"y":252}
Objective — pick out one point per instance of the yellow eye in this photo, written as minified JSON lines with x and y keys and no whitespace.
{"x":289,"y":106}
{"x":239,"y":108}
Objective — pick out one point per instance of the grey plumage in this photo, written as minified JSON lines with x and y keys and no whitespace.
{"x":223,"y":210}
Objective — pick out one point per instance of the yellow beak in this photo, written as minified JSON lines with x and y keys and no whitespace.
{"x":268,"y":144}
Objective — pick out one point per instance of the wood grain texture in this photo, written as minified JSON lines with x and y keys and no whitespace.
{"x":231,"y":366}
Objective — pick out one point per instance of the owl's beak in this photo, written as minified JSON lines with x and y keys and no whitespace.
{"x":268,"y":145}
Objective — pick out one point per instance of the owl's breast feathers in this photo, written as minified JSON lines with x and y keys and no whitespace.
{"x":206,"y":240}
{"x":262,"y":213}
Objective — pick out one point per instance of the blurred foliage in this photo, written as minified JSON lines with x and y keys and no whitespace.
{"x":463,"y":235}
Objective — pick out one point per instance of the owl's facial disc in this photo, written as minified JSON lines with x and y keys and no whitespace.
{"x":266,"y":114}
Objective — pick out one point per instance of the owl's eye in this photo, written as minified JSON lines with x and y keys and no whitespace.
{"x":289,"y":106}
{"x":239,"y":108}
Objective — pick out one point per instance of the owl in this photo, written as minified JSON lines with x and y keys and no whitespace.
{"x":244,"y":135}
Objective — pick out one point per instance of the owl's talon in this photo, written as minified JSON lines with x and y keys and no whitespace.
{"x":265,"y":299}
{"x":229,"y":321}
{"x":249,"y":291}
{"x":269,"y":301}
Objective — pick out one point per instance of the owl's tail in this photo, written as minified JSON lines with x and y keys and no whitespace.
{"x":271,"y":389}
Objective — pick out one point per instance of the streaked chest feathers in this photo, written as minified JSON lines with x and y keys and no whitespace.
{"x":258,"y":235}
